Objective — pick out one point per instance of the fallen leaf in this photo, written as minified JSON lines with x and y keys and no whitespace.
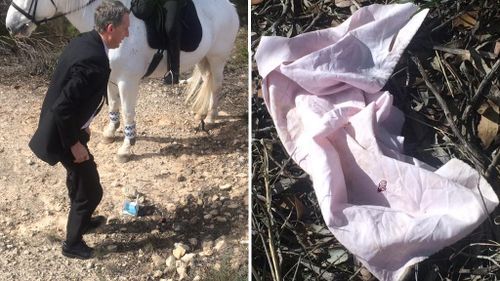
{"x":334,"y":23}
{"x":337,"y":256}
{"x":489,"y":124}
{"x":343,"y":3}
{"x":468,"y":20}
{"x":292,"y":202}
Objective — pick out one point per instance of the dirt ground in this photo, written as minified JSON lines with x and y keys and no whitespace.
{"x":193,"y":188}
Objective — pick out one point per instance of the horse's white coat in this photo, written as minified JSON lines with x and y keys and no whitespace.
{"x":129,"y":62}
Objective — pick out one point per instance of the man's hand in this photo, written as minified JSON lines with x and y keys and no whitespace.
{"x":79,"y":152}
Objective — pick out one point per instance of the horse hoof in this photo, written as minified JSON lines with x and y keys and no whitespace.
{"x":106,"y":139}
{"x":122,"y":158}
{"x":110,"y":129}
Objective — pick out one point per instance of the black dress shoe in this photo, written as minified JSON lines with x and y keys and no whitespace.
{"x":172,"y":78}
{"x":79,"y":250}
{"x":95,"y":223}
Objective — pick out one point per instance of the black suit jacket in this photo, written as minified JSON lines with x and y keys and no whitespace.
{"x":76,"y":92}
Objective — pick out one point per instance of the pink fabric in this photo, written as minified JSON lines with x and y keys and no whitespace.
{"x":322,"y":90}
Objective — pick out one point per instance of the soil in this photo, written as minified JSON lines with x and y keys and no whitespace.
{"x":192,"y":187}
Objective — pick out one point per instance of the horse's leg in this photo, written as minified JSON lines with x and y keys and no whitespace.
{"x":129,"y":89}
{"x":216,"y":68}
{"x":113,"y":113}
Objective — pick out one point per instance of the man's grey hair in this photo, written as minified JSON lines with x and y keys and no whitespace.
{"x":109,"y":12}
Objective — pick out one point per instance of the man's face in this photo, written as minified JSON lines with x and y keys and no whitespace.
{"x":118,"y":33}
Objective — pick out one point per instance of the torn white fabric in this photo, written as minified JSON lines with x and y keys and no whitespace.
{"x":322,"y":90}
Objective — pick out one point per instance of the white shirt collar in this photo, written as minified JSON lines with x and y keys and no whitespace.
{"x":106,"y":49}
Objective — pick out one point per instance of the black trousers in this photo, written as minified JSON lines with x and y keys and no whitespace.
{"x":85,"y":193}
{"x":172,"y":27}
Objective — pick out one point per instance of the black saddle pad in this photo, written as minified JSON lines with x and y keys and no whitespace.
{"x":190,"y":30}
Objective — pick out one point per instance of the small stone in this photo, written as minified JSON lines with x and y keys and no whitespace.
{"x":157,"y":261}
{"x":233,"y":206}
{"x":207,"y":216}
{"x":155,"y":231}
{"x":30,"y":162}
{"x":219,"y":245}
{"x":193,"y":241}
{"x":197,"y":278}
{"x":179,"y":251}
{"x":90,"y":265}
{"x":207,"y":248}
{"x":225,"y":187}
{"x":112,"y":220}
{"x":157,"y":274}
{"x":235,"y":264}
{"x":170,"y":263}
{"x":182,"y":271}
{"x":214,"y":212}
{"x":221,"y":219}
{"x":217,"y":266}
{"x":111,"y":247}
{"x":181,"y":178}
{"x":140,"y":253}
{"x":188,"y":258}
{"x":215,"y":198}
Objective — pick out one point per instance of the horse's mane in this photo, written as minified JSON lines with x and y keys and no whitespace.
{"x":70,"y":5}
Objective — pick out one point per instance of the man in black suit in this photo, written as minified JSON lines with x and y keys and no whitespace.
{"x":76,"y":94}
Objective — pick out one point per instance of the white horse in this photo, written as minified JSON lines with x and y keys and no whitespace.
{"x":129,"y":62}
